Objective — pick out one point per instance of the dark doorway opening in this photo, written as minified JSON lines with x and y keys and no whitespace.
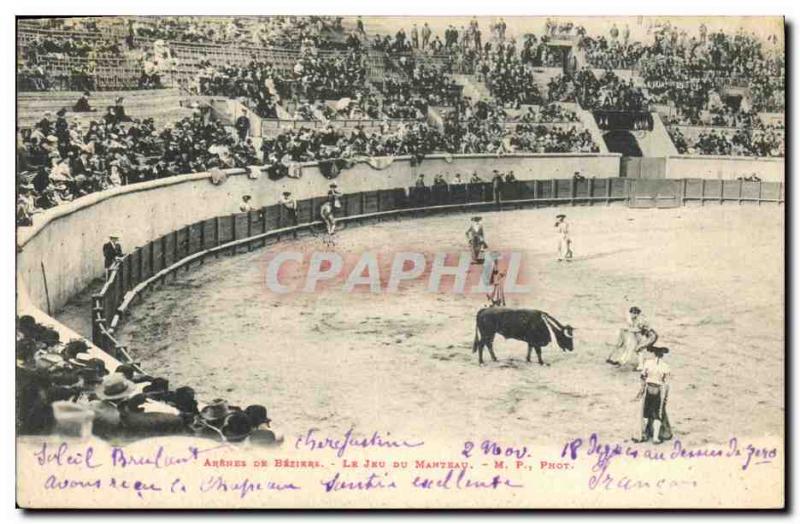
{"x":622,"y":142}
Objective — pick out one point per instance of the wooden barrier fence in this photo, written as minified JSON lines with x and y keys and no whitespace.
{"x":163,"y":257}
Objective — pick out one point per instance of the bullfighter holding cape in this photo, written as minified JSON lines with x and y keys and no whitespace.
{"x":476,"y":239}
{"x":653,"y":394}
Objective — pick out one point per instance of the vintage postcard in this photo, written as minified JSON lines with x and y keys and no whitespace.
{"x":400,"y":262}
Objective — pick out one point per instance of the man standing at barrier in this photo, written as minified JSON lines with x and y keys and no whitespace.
{"x":497,"y":187}
{"x":328,"y":210}
{"x":564,"y":241}
{"x":112,"y":254}
{"x":334,"y":196}
{"x":245,"y":206}
{"x":289,"y":205}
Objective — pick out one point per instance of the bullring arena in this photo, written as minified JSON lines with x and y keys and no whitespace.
{"x":692,"y":236}
{"x":323,"y":359}
{"x":404,"y":363}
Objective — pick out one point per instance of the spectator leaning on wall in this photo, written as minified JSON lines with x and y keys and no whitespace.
{"x":112,"y":253}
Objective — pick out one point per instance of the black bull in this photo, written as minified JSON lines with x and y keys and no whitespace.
{"x":527,"y":325}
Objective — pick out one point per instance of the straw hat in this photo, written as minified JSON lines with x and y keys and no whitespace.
{"x":115,"y":387}
{"x":216,"y":411}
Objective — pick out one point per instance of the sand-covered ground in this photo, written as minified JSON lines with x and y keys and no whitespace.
{"x":709,"y":280}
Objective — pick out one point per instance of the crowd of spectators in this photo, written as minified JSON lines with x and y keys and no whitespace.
{"x":536,"y":53}
{"x":677,"y":64}
{"x":608,"y":91}
{"x":611,"y":53}
{"x":254,"y":82}
{"x":43,"y":46}
{"x":548,"y":114}
{"x":764,"y":142}
{"x":59,"y":161}
{"x":508,"y":79}
{"x":699,"y":77}
{"x":329,"y":77}
{"x":486,"y":128}
{"x":280,"y":31}
{"x":425,"y":86}
{"x":63,"y":388}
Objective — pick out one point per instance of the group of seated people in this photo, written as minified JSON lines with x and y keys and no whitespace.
{"x":536,"y":53}
{"x":547,"y":114}
{"x":255,"y":82}
{"x":59,"y":161}
{"x":766,"y":142}
{"x":364,"y":105}
{"x":284,"y":31}
{"x":677,"y":63}
{"x":484,"y":128}
{"x":407,"y":99}
{"x":61,"y":388}
{"x":611,"y":53}
{"x":77,"y":77}
{"x":508,"y":79}
{"x":608,"y":91}
{"x":306,"y":144}
{"x":44,"y":45}
{"x":329,"y":77}
{"x":433,"y":85}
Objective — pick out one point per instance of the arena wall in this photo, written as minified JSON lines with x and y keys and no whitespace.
{"x":725,"y":167}
{"x":62,"y":253}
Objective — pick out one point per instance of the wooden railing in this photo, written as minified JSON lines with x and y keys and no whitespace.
{"x":191,"y":245}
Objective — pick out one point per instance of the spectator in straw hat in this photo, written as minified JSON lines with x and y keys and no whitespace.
{"x":113,"y":390}
{"x":209,"y":421}
{"x":115,"y":387}
{"x":246,"y":206}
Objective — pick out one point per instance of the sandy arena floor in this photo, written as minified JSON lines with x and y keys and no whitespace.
{"x":710,"y":281}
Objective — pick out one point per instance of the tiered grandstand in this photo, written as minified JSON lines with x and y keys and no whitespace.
{"x":199,"y":137}
{"x":319,"y":88}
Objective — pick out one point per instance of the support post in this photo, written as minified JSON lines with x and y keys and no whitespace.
{"x":572,"y":192}
{"x":703,"y":192}
{"x":218,"y":235}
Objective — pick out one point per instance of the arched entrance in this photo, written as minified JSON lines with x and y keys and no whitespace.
{"x":623,"y":142}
